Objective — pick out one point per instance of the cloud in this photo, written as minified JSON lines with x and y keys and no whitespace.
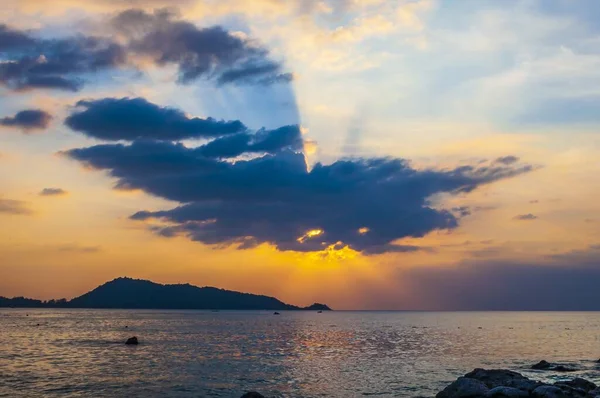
{"x":11,"y":206}
{"x":565,"y":282}
{"x":507,"y":160}
{"x":525,"y":217}
{"x":75,"y":248}
{"x":134,"y":118}
{"x":210,"y":53}
{"x":263,"y":141}
{"x":272,"y":197}
{"x":30,"y":119}
{"x":29,"y":62}
{"x":53,"y":192}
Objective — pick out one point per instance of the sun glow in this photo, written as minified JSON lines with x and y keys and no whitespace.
{"x":309,"y":235}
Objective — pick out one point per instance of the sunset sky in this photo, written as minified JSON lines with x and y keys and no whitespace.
{"x":367,"y":154}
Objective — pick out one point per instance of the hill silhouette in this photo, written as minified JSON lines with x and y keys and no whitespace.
{"x":128,"y":293}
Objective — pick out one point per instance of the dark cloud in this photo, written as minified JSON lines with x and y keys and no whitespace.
{"x":52,"y":192}
{"x":30,"y":62}
{"x":526,"y":217}
{"x":11,"y":206}
{"x":13,"y":39}
{"x":134,"y":118}
{"x":269,"y":141}
{"x":30,"y":119}
{"x":507,"y":160}
{"x":210,"y":53}
{"x":364,"y":203}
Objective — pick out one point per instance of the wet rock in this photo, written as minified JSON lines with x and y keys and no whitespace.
{"x":545,"y":365}
{"x":503,"y":378}
{"x":132,"y":341}
{"x":464,"y":387}
{"x":572,"y":392}
{"x":577,"y":383}
{"x":252,"y":394}
{"x":276,"y":313}
{"x":509,"y":392}
{"x":547,"y":391}
{"x":501,"y":383}
{"x":595,"y":393}
{"x":542,"y":365}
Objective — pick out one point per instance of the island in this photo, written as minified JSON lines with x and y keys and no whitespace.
{"x":129,"y":293}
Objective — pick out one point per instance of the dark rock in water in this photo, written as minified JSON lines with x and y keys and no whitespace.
{"x":545,"y":365}
{"x":276,"y":313}
{"x":319,"y":312}
{"x":508,"y":392}
{"x":542,"y":365}
{"x":500,"y":383}
{"x":503,"y":378}
{"x":252,"y":394}
{"x":464,"y":387}
{"x":132,"y":341}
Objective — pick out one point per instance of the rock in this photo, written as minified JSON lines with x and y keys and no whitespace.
{"x":252,"y":394}
{"x":511,"y":392}
{"x":503,"y":378}
{"x":547,"y":391}
{"x":594,"y":393}
{"x":542,"y":365}
{"x":132,"y":341}
{"x":578,"y":383}
{"x":276,"y":313}
{"x":572,"y":392}
{"x":501,"y":383}
{"x":464,"y":387}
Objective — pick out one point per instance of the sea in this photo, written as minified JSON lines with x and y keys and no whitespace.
{"x":81,"y":353}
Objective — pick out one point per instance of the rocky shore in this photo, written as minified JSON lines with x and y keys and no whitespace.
{"x":502,"y":383}
{"x":498,"y":383}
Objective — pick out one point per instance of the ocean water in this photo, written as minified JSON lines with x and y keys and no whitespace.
{"x":81,"y":353}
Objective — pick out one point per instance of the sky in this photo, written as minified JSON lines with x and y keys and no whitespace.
{"x":368,"y":154}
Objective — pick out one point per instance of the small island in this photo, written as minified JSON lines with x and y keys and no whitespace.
{"x":128,"y":293}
